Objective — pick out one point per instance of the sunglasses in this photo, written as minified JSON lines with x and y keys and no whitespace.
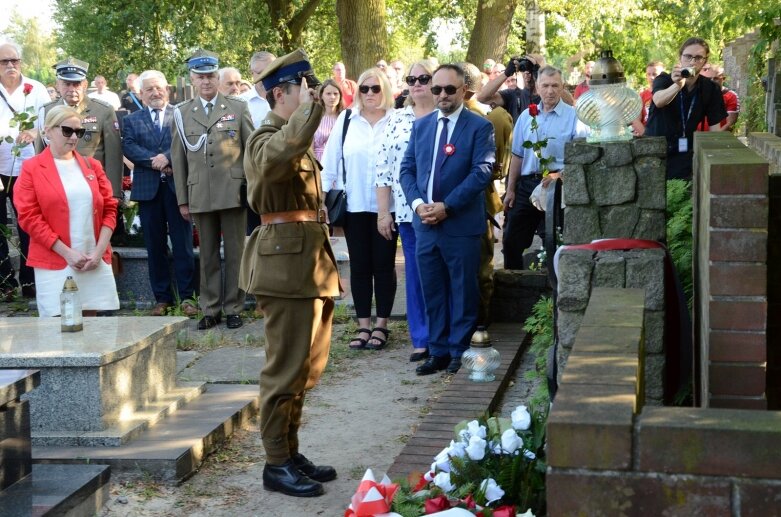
{"x":68,"y":132}
{"x":6,"y":62}
{"x":365,"y":88}
{"x":449,"y":89}
{"x":422,"y":79}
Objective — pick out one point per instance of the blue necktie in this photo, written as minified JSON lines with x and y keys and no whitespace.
{"x":156,"y":120}
{"x":436,"y":194}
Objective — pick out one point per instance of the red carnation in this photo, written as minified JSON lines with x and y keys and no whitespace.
{"x":533,"y":110}
{"x":27,"y":88}
{"x":504,"y":511}
{"x":437,"y":504}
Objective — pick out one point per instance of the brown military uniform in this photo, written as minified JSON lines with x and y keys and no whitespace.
{"x":101,"y":141}
{"x":292,"y":271}
{"x":210,"y":180}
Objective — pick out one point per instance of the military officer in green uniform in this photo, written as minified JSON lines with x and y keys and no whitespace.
{"x":102,"y":140}
{"x":207,"y":152}
{"x":289,"y":266}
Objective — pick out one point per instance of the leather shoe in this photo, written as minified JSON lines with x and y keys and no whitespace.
{"x":28,"y":291}
{"x":289,"y":480}
{"x":454,"y":366}
{"x":159,"y":309}
{"x":189,"y":309}
{"x":321,"y":473}
{"x":433,"y":365}
{"x":418,"y":356}
{"x":234,"y":321}
{"x":208,"y":322}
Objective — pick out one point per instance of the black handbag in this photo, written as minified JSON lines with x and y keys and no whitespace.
{"x":336,"y":199}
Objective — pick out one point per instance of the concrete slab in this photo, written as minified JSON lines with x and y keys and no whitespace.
{"x":183,"y":359}
{"x":231,"y":365}
{"x":174,"y":448}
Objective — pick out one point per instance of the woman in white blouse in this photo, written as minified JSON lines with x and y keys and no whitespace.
{"x":372,"y":256}
{"x":420,"y":102}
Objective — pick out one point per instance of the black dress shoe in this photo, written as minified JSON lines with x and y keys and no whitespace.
{"x":233,"y":321}
{"x":290,"y":481}
{"x":418,"y":356}
{"x":208,"y":322}
{"x":433,"y":365}
{"x":454,"y":366}
{"x":321,"y":473}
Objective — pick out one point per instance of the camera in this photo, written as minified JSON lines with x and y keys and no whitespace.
{"x":687,"y":72}
{"x":521,"y":64}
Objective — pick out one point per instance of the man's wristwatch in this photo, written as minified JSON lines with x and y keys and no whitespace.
{"x":448,"y":211}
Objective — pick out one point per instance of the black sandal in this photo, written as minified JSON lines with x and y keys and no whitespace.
{"x":361,"y":343}
{"x":382,"y":342}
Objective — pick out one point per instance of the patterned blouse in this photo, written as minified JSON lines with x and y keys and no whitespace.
{"x":392,"y":148}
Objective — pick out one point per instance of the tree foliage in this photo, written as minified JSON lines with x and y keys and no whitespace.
{"x":38,"y":48}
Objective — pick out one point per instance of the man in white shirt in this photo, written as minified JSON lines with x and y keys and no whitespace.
{"x":104,"y":94}
{"x":18,"y":95}
{"x":256,"y":97}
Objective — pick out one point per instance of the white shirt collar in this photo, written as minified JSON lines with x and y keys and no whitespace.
{"x":453,"y":117}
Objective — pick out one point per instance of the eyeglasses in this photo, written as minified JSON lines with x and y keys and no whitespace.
{"x":6,"y":62}
{"x":68,"y":132}
{"x":696,"y":59}
{"x":449,"y":89}
{"x":365,"y":88}
{"x":422,"y":79}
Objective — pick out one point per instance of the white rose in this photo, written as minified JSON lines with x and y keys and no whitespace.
{"x":511,"y":441}
{"x":527,"y":513}
{"x":475,"y":429}
{"x":476,"y":448}
{"x":521,"y":418}
{"x":493,"y":492}
{"x":442,"y":480}
{"x":442,"y":460}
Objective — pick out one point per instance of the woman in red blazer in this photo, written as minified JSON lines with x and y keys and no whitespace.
{"x":65,"y":203}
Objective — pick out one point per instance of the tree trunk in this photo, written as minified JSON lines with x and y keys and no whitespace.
{"x":492,"y":27}
{"x":363,"y":34}
{"x":535,"y":28}
{"x":290,"y":23}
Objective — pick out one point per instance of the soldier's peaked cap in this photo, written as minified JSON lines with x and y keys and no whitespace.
{"x":286,"y":69}
{"x":71,"y":69}
{"x":203,"y":62}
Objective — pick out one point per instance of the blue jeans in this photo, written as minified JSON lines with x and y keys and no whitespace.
{"x":416,"y":309}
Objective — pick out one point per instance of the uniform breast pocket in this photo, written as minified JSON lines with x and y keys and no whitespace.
{"x":92,"y":133}
{"x":229,"y":133}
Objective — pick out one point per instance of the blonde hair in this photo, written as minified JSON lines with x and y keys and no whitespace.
{"x":59,"y":114}
{"x":429,"y":66}
{"x":387,"y":94}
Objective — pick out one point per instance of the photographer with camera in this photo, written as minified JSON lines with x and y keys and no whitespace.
{"x":517,"y":99}
{"x":681,"y":101}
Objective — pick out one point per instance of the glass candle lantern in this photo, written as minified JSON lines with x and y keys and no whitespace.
{"x":70,"y":307}
{"x":481,"y":359}
{"x":609,"y":105}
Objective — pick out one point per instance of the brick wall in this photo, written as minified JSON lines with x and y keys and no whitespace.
{"x":610,"y":455}
{"x":730,"y":273}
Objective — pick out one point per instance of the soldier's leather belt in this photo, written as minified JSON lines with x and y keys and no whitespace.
{"x":293,"y":216}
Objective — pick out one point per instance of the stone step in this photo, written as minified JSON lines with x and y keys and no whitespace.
{"x":174,"y":448}
{"x":73,"y":490}
{"x":128,"y":429}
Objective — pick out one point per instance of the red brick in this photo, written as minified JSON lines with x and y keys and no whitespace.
{"x":737,"y":315}
{"x":759,"y":498}
{"x":738,"y":245}
{"x":634,"y":494}
{"x":738,"y":211}
{"x":737,"y":346}
{"x":738,"y":279}
{"x":754,"y":403}
{"x":590,"y":426}
{"x":737,"y":379}
{"x":739,"y":178}
{"x":711,"y":442}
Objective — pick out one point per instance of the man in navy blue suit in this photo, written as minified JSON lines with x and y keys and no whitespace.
{"x":147,"y":143}
{"x":445,"y":170}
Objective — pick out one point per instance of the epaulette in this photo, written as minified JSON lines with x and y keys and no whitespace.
{"x":235,"y":98}
{"x":52,"y":103}
{"x":102,"y":103}
{"x":184,"y":102}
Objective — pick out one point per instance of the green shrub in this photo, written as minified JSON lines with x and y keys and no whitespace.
{"x":679,"y":233}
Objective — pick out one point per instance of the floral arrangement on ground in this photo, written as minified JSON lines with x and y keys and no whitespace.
{"x":494,"y":467}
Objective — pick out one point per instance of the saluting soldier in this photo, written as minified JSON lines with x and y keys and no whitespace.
{"x":102,"y":139}
{"x":290,"y":268}
{"x":207,"y":152}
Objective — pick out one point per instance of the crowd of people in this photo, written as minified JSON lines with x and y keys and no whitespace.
{"x":420,"y":152}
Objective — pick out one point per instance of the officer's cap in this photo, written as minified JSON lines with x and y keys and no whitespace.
{"x":203,"y":62}
{"x":71,"y":69}
{"x":289,"y":68}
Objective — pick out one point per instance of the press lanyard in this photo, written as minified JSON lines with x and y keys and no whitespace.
{"x":684,"y":120}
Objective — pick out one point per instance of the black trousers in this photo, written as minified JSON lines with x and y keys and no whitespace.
{"x":7,"y":273}
{"x":372,"y":264}
{"x":521,"y":221}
